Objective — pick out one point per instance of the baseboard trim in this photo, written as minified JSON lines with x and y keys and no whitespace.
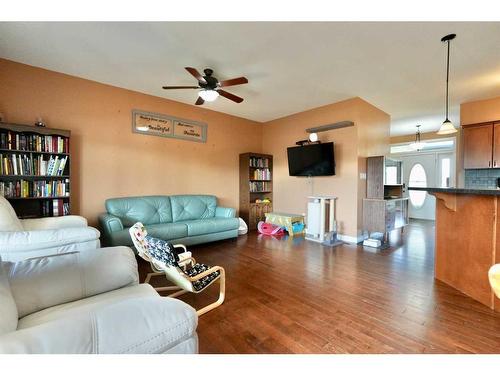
{"x":352,"y":239}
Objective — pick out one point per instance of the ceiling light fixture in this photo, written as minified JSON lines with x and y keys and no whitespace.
{"x":447,"y":127}
{"x":418,"y":144}
{"x":208,"y":95}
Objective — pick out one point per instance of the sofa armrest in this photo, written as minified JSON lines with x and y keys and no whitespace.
{"x":28,"y":241}
{"x":110,"y":223}
{"x":225,"y":212}
{"x":43,"y":282}
{"x":69,"y":221}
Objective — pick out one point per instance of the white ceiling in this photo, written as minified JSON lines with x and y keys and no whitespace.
{"x":291,"y":66}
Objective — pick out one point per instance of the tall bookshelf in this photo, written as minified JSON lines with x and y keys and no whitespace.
{"x":35,"y":173}
{"x":256,"y":183}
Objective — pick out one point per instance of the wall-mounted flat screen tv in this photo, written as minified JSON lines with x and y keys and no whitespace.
{"x":311,"y":160}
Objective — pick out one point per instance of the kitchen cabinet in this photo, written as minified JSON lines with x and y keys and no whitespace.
{"x":496,"y":145}
{"x":478,"y":146}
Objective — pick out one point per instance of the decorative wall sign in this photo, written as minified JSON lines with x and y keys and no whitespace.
{"x":167,"y":126}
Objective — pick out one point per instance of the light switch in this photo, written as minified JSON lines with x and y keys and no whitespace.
{"x":362,"y":176}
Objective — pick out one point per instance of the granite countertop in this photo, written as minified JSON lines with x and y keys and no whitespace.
{"x":478,"y":191}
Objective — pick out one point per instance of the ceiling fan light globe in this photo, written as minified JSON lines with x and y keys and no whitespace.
{"x":447,"y":128}
{"x":313,"y":137}
{"x":208,"y":95}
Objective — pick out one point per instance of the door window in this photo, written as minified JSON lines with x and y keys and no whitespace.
{"x":445,"y":169}
{"x":417,"y":178}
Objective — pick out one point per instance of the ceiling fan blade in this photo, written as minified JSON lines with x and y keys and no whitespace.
{"x":196,"y":74}
{"x":233,"y":82}
{"x":179,"y":87}
{"x":199,"y":101}
{"x":230,"y":96}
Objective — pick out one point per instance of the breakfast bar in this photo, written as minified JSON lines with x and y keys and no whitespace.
{"x":467,"y":240}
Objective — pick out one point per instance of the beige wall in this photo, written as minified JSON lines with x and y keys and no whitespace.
{"x":108,"y":160}
{"x":369,"y":136}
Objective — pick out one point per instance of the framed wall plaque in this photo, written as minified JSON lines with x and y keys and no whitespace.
{"x":150,"y":123}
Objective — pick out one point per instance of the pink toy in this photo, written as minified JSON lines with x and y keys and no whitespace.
{"x":270,"y":229}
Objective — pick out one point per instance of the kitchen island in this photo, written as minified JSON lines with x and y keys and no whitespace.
{"x":467,"y":240}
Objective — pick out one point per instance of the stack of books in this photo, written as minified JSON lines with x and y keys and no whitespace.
{"x":55,"y":207}
{"x":29,"y":165}
{"x":34,"y":189}
{"x":257,"y":186}
{"x":262,"y":174}
{"x":33,"y":142}
{"x":259,"y":162}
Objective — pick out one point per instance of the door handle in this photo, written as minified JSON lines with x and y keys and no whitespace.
{"x":489,"y":163}
{"x":494,"y":163}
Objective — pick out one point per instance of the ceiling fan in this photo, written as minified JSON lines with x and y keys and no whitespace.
{"x":210,"y":87}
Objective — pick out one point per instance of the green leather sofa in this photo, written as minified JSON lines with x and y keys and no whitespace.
{"x":185,"y":219}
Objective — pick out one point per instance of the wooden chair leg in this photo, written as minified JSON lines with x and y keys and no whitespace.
{"x":177,"y":294}
{"x":222,"y":294}
{"x":160,"y":288}
{"x":165,"y":288}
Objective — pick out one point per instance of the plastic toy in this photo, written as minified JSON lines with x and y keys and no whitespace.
{"x":270,"y":229}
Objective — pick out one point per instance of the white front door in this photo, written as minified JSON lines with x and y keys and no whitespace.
{"x":420,"y":171}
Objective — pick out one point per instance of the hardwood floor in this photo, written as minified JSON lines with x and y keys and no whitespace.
{"x":296,"y":296}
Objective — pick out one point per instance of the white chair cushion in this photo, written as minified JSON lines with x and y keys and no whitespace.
{"x":139,"y":325}
{"x":36,"y":283}
{"x":8,"y":309}
{"x":86,"y":305}
{"x":8,"y":218}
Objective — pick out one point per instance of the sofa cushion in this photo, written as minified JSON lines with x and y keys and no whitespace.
{"x":214,"y":225}
{"x":141,"y":325}
{"x":154,"y":209}
{"x":168,"y":231}
{"x":8,"y":218}
{"x":8,"y":308}
{"x":192,"y":207}
{"x":85,"y":305}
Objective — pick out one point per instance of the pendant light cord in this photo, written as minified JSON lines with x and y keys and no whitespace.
{"x":447,"y":78}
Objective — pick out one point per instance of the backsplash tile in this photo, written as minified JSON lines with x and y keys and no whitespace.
{"x":482,"y":178}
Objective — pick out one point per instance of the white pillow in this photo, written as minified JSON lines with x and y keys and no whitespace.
{"x":8,"y":218}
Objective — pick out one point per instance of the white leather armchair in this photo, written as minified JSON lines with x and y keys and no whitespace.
{"x":23,"y":239}
{"x":87,"y":303}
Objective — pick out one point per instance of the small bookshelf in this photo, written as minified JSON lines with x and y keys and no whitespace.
{"x":35,"y":173}
{"x":256,"y":184}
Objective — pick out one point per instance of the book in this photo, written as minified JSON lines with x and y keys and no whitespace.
{"x":62,"y":165}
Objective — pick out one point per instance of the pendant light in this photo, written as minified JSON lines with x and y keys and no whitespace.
{"x":418,"y":144}
{"x":447,"y":127}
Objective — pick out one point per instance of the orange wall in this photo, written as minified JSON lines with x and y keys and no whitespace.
{"x":369,"y":136}
{"x":107,"y":159}
{"x":480,"y":111}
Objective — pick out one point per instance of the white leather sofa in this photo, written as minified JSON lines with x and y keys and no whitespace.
{"x":89,"y":302}
{"x":23,"y":239}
